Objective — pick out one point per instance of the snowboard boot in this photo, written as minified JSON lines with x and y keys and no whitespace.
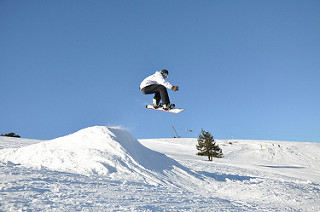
{"x":168,"y":106}
{"x":156,"y":104}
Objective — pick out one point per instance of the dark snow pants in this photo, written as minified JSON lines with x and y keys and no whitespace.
{"x":160,"y":93}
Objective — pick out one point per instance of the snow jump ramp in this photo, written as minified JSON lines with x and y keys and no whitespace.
{"x":111,"y":152}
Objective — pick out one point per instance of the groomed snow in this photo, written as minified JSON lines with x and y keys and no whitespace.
{"x":105,"y":168}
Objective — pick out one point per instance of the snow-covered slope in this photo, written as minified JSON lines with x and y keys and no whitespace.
{"x":108,"y":151}
{"x":294,"y":159}
{"x":272,"y":175}
{"x":106,"y":168}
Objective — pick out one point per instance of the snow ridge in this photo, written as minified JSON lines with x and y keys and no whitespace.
{"x":108,"y":151}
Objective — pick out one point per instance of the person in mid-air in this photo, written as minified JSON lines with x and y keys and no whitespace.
{"x":157,"y":85}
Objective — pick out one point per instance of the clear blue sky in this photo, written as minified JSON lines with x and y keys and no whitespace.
{"x":246,"y":69}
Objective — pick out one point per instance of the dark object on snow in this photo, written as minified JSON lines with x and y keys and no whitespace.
{"x":11,"y":135}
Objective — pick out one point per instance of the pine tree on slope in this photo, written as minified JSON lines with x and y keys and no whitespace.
{"x":207,"y":146}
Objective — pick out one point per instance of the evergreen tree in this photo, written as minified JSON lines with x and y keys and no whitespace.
{"x":11,"y":135}
{"x":207,"y":146}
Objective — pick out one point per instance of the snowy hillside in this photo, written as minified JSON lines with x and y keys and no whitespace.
{"x":109,"y":152}
{"x":106,"y":168}
{"x":295,"y":159}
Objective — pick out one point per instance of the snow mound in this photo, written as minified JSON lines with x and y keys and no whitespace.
{"x":109,"y":151}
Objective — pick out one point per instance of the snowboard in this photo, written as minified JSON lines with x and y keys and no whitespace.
{"x":174,"y":110}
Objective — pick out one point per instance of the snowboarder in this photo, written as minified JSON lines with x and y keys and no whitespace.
{"x":157,"y":85}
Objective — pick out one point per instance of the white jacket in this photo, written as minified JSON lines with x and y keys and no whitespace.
{"x":157,"y":79}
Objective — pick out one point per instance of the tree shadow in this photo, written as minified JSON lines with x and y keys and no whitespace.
{"x":224,"y":177}
{"x":284,"y":167}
